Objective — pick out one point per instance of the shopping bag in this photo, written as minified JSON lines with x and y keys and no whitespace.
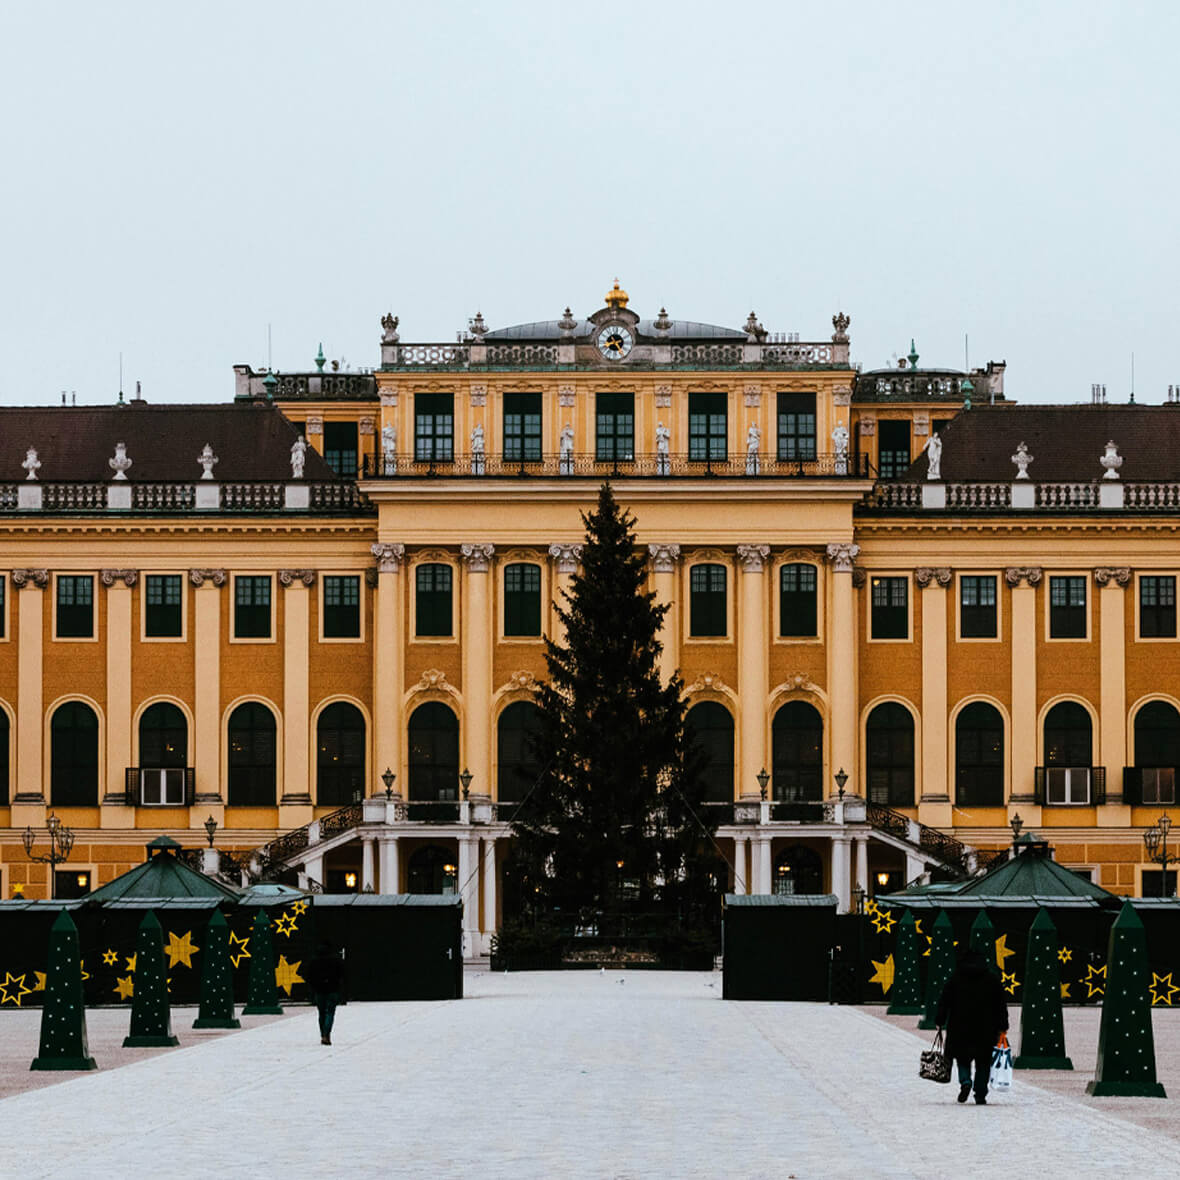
{"x":936,"y":1065}
{"x":1001,"y":1075}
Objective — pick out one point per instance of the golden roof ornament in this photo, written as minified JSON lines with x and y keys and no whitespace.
{"x":616,"y":297}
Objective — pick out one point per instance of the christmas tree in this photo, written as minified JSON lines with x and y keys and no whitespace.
{"x":262,"y":999}
{"x":907,"y":977}
{"x":614,"y":823}
{"x":1042,"y":1031}
{"x":217,"y":980}
{"x":940,"y":968}
{"x":983,"y":940}
{"x":63,"y":1018}
{"x":151,"y":1012}
{"x":1126,"y":1044}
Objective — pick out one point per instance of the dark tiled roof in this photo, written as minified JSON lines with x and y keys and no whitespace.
{"x":251,"y":442}
{"x":1065,"y":442}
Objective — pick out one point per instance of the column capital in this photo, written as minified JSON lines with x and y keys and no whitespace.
{"x":291,"y":577}
{"x":753,"y":557}
{"x":940,"y":575}
{"x":477,"y":555}
{"x":1015,"y":575}
{"x":663,"y":556}
{"x":37,"y":579}
{"x":127,"y":577}
{"x":214,"y":577}
{"x":568,"y":556}
{"x":842,"y":554}
{"x":1119,"y":576}
{"x":389,"y":555}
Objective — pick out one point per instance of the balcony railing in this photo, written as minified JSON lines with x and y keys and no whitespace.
{"x":1021,"y":496}
{"x":1070,"y":786}
{"x":156,"y":786}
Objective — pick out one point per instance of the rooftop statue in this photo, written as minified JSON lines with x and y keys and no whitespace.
{"x":31,"y":464}
{"x":934,"y":457}
{"x":298,"y":457}
{"x":120,"y":463}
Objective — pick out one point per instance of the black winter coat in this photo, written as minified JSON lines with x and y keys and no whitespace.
{"x":973,"y":1009}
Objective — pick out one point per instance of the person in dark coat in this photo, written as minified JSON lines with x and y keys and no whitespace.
{"x":325,"y":977}
{"x":974,"y":1012}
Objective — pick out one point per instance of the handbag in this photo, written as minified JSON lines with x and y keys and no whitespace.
{"x":936,"y":1065}
{"x":1001,"y":1075}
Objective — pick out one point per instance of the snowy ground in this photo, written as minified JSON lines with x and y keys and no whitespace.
{"x":570,"y":1074}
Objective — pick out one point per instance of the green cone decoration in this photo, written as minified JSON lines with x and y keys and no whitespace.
{"x":151,"y":1012}
{"x":217,"y":980}
{"x":939,"y":969}
{"x":1126,"y":1046}
{"x":983,"y":939}
{"x":263,"y":997}
{"x":63,"y":1019}
{"x":1042,"y":1031}
{"x":907,"y":972}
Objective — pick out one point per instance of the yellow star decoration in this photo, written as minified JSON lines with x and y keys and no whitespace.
{"x":242,"y":952}
{"x":929,"y":945}
{"x":39,"y":986}
{"x":287,"y":974}
{"x":884,"y":974}
{"x":85,"y":973}
{"x":918,"y":925}
{"x":1064,"y":955}
{"x":131,"y":961}
{"x":1065,"y":991}
{"x":1095,"y":981}
{"x":883,"y":921}
{"x":1002,"y":952}
{"x":299,"y":907}
{"x":180,"y":950}
{"x":1010,"y":982}
{"x":285,"y":924}
{"x":870,"y":906}
{"x":1162,"y":989}
{"x":13,"y":988}
{"x":109,"y":957}
{"x":125,"y":987}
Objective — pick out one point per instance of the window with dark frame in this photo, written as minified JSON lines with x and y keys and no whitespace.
{"x":163,"y":603}
{"x":796,"y":426}
{"x":979,"y":756}
{"x":73,"y":756}
{"x":340,"y":755}
{"x":1155,"y":884}
{"x":342,"y":606}
{"x":977,"y":607}
{"x":434,"y":427}
{"x":522,"y":599}
{"x":252,"y":607}
{"x":5,"y":740}
{"x":707,"y":584}
{"x":709,"y":727}
{"x":251,"y":761}
{"x":614,"y":439}
{"x":890,"y":608}
{"x":517,"y":768}
{"x":1157,"y":607}
{"x":340,"y":448}
{"x":432,"y":599}
{"x":522,"y":427}
{"x":75,"y":606}
{"x":797,"y":600}
{"x":796,"y":754}
{"x":1157,"y":755}
{"x":893,"y":452}
{"x":708,"y":427}
{"x":163,"y":756}
{"x":1067,"y":608}
{"x":1069,"y":745}
{"x":889,"y":755}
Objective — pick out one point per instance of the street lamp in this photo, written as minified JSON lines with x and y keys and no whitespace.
{"x":210,"y":830}
{"x":465,"y":778}
{"x":763,"y":781}
{"x":841,"y":779}
{"x":858,"y":900}
{"x":1156,"y":841}
{"x":61,"y":840}
{"x":1016,"y":823}
{"x":882,"y":879}
{"x":387,"y":778}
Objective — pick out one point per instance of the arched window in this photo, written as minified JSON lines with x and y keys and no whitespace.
{"x":340,"y":755}
{"x":1157,"y":755}
{"x":797,"y":753}
{"x":798,"y":870}
{"x":163,"y":756}
{"x":979,"y":756}
{"x":251,"y":763}
{"x":517,"y":765}
{"x":709,"y":726}
{"x":431,"y":870}
{"x":522,"y":599}
{"x":4,"y":756}
{"x":73,"y":775}
{"x":1069,"y":744}
{"x":890,"y":755}
{"x":434,"y":759}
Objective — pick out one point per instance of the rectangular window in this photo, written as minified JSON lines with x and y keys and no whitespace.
{"x":614,"y":427}
{"x":434,"y":427}
{"x":890,"y":608}
{"x":432,"y":599}
{"x":162,"y":787}
{"x":708,"y":420}
{"x":252,"y":608}
{"x":1067,"y":784}
{"x":1157,"y":786}
{"x":522,"y":599}
{"x":797,"y":599}
{"x":893,"y":455}
{"x":522,"y":427}
{"x":707,"y":600}
{"x":75,"y":607}
{"x":340,"y":448}
{"x":796,"y":425}
{"x":162,"y":616}
{"x":342,"y":607}
{"x":1067,"y":608}
{"x":977,"y":607}
{"x":1154,"y":883}
{"x":1157,"y":607}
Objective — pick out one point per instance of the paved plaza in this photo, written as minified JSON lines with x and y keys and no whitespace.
{"x":569,"y":1074}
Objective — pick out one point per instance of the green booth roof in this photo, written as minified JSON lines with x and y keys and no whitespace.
{"x":163,"y":876}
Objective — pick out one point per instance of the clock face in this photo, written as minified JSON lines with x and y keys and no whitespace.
{"x":614,"y":342}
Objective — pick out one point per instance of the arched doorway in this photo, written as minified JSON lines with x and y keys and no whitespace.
{"x":798,"y":869}
{"x":797,"y":753}
{"x":433,"y":762}
{"x":431,"y":870}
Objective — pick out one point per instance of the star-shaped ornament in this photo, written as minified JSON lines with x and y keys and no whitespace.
{"x":287,"y":974}
{"x":125,"y":987}
{"x":918,"y":925}
{"x":884,"y":974}
{"x":870,"y":906}
{"x":180,"y":950}
{"x":883,"y":921}
{"x":1065,"y":991}
{"x":1162,"y":989}
{"x":1095,"y":981}
{"x":929,"y":946}
{"x":131,"y":961}
{"x":1064,"y":955}
{"x":299,"y":907}
{"x":1002,"y":952}
{"x":13,"y":988}
{"x":39,"y":976}
{"x":109,"y":957}
{"x":242,"y":952}
{"x":85,"y":973}
{"x":285,"y":924}
{"x":1010,"y":982}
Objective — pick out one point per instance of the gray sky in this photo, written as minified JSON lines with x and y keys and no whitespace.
{"x":175,"y":178}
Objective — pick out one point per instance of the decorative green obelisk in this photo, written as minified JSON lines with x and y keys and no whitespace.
{"x":983,"y":940}
{"x":907,"y":972}
{"x":262,"y":999}
{"x":63,"y":1018}
{"x":940,"y":968}
{"x":1126,"y":1045}
{"x":151,"y":1010}
{"x":1042,"y":1030}
{"x":217,"y":980}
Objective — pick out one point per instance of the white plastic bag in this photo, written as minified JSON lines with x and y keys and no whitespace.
{"x":1001,"y":1075}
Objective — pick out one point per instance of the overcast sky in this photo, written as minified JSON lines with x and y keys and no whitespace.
{"x":175,"y":178}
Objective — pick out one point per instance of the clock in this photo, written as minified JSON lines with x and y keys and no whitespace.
{"x":614,"y":342}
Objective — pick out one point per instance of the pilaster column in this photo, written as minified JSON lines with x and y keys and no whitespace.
{"x":1112,"y":732}
{"x":313,"y":869}
{"x":388,"y":869}
{"x":934,"y":805}
{"x":477,"y":637}
{"x":753,"y":665}
{"x":663,"y":560}
{"x":840,"y":874}
{"x":1024,"y":581}
{"x":207,"y":686}
{"x":565,"y":565}
{"x":30,"y":586}
{"x":367,"y":885}
{"x":862,"y":864}
{"x":740,"y":873}
{"x":489,"y":887}
{"x":118,"y":584}
{"x":388,"y":665}
{"x":468,"y":885}
{"x":842,"y":664}
{"x":764,"y":863}
{"x":297,"y":787}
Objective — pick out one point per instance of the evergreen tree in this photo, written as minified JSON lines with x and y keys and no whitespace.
{"x":151,"y":1012}
{"x":614,"y":822}
{"x":907,"y":976}
{"x":217,"y":979}
{"x":1042,"y":1029}
{"x":63,"y":1018}
{"x":262,"y":998}
{"x":940,"y":968}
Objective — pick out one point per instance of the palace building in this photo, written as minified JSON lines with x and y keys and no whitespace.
{"x":309,"y":622}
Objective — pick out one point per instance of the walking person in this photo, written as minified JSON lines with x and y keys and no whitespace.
{"x":325,"y":977}
{"x":974,"y":1012}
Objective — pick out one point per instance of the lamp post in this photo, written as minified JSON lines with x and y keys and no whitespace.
{"x":1156,"y":841}
{"x":465,"y":778}
{"x":210,"y":830}
{"x":841,"y":780}
{"x":1016,"y":823}
{"x":858,"y":900}
{"x":763,"y":782}
{"x":61,"y":840}
{"x":387,"y":778}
